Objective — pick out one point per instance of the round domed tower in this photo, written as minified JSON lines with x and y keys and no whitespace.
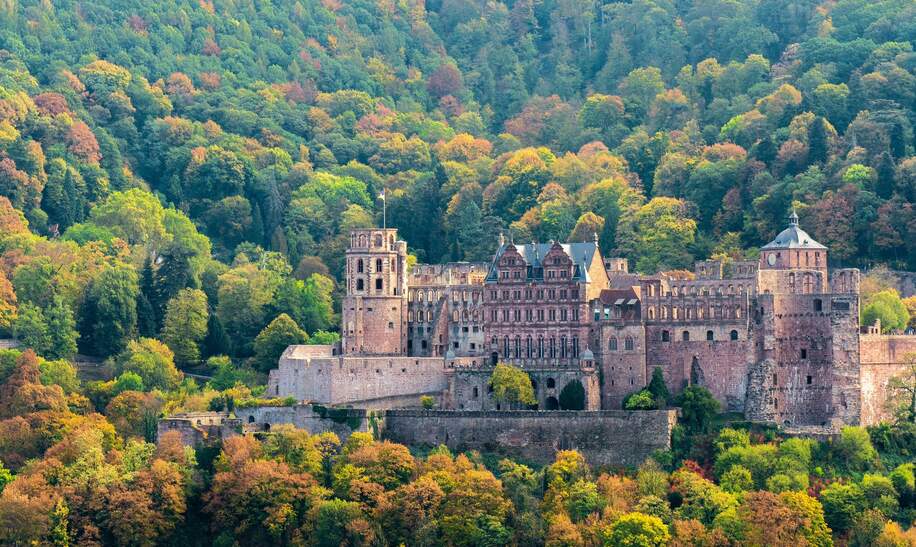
{"x":793,"y":249}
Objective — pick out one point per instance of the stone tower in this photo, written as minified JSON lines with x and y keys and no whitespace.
{"x":374,"y":310}
{"x":806,"y":370}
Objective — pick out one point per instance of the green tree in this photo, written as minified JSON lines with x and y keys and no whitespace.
{"x":62,"y":335}
{"x":658,"y":235}
{"x":658,"y":388}
{"x":281,"y":333}
{"x":109,"y":312}
{"x":888,"y":307}
{"x":31,"y":328}
{"x":572,"y":396}
{"x":185,"y":325}
{"x":511,"y":385}
{"x":637,"y":530}
{"x":842,"y":502}
{"x":152,"y":361}
{"x":698,"y":407}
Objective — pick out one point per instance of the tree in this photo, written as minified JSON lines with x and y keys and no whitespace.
{"x":62,"y":335}
{"x":185,"y":325}
{"x":109,"y":312}
{"x":658,"y":388}
{"x":258,"y":501}
{"x":698,"y":406}
{"x":637,"y":530}
{"x":842,"y":502}
{"x":658,"y":235}
{"x":152,"y":360}
{"x":31,"y":328}
{"x":135,"y":216}
{"x":887,"y":307}
{"x":281,"y":333}
{"x":572,"y":396}
{"x":511,"y":385}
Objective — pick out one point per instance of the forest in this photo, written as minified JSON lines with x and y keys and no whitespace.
{"x":178,"y":179}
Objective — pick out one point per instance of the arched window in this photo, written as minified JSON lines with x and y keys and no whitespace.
{"x":421,"y":296}
{"x":378,"y":240}
{"x":685,"y":336}
{"x":362,"y":241}
{"x":651,"y":313}
{"x":359,"y":284}
{"x":666,"y":336}
{"x":733,"y":335}
{"x":359,"y":266}
{"x":410,"y":316}
{"x":612,"y":344}
{"x":455,"y":316}
{"x":378,"y":284}
{"x":429,"y":316}
{"x":737,"y":312}
{"x":628,"y":344}
{"x":551,"y":383}
{"x":710,"y":336}
{"x":378,"y":264}
{"x":420,"y":316}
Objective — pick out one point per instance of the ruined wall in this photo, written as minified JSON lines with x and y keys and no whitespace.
{"x":807,"y":366}
{"x":200,"y":428}
{"x":606,"y":437}
{"x":313,"y":418}
{"x":468,"y":388}
{"x":882,"y":358}
{"x":345,"y":380}
{"x":720,"y":365}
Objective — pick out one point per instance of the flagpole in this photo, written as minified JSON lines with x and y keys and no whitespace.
{"x":384,"y":210}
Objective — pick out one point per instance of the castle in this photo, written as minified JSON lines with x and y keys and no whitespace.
{"x":777,"y":339}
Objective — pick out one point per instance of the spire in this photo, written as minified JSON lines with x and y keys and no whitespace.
{"x":595,"y":237}
{"x":793,"y":218}
{"x":502,"y":239}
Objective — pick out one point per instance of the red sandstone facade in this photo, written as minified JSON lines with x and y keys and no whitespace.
{"x":777,"y":339}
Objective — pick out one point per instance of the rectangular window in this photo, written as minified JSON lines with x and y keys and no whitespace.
{"x":808,"y":380}
{"x":804,"y":353}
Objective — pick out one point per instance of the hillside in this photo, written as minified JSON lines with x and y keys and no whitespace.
{"x":279,"y":123}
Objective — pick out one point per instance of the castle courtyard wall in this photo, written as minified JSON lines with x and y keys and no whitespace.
{"x":882,"y":359}
{"x":605,"y":437}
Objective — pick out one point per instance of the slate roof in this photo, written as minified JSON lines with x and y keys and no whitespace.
{"x":794,"y":237}
{"x":582,"y":255}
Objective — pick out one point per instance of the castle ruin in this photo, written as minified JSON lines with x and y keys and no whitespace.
{"x":777,"y":339}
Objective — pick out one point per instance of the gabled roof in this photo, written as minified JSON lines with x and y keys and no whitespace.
{"x":582,"y":255}
{"x":794,"y":237}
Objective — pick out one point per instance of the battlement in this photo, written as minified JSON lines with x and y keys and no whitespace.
{"x":375,"y":239}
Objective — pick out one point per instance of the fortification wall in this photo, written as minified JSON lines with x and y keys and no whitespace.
{"x":606,"y":437}
{"x":313,"y":418}
{"x":881,"y":359}
{"x":345,"y":380}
